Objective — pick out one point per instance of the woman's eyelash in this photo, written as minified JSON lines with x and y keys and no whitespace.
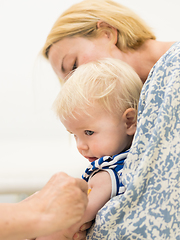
{"x":75,"y":65}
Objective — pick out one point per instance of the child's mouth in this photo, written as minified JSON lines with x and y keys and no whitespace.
{"x":91,"y":159}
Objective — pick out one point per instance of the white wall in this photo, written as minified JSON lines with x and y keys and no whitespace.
{"x":33,"y":143}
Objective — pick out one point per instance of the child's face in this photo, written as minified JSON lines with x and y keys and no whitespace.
{"x":99,"y":135}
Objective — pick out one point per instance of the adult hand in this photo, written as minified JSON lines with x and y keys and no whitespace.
{"x":60,"y":204}
{"x":81,"y":235}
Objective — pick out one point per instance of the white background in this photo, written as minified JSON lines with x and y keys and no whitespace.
{"x":33,"y":143}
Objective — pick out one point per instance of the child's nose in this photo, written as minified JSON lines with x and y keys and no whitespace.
{"x":81,"y":145}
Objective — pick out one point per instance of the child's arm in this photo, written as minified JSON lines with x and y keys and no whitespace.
{"x":101,"y":186}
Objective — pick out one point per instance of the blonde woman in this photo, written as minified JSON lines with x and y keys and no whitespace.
{"x":91,"y":30}
{"x":98,"y":105}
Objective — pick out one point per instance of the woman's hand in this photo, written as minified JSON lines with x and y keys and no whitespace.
{"x":60,"y":204}
{"x":81,"y":235}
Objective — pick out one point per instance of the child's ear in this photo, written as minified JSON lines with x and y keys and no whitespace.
{"x":110,"y":31}
{"x":130,"y":119}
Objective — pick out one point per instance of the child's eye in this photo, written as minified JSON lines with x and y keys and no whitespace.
{"x":88,"y":132}
{"x":72,"y":133}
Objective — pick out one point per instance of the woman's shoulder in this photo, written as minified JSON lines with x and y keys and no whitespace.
{"x":173,"y":54}
{"x":170,"y":60}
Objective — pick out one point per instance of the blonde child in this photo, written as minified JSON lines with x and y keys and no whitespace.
{"x":98,"y":105}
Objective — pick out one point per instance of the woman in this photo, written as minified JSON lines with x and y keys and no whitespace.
{"x":96,"y":29}
{"x":107,"y":29}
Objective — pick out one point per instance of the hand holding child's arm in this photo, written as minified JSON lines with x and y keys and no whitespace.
{"x":80,"y":235}
{"x":100,"y":185}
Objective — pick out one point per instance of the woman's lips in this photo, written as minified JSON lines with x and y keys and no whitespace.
{"x":91,"y":159}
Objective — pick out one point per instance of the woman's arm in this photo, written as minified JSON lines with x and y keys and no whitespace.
{"x":100,"y":185}
{"x":57,"y":206}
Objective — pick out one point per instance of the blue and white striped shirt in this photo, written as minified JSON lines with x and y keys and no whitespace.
{"x":113,"y":165}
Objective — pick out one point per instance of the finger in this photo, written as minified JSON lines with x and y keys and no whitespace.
{"x":82,"y":185}
{"x":86,"y":226}
{"x":80,"y":236}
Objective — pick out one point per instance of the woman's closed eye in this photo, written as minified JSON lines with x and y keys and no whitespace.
{"x":75,"y":65}
{"x":88,"y":132}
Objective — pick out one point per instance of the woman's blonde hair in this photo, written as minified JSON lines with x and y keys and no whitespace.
{"x":81,"y":20}
{"x":110,"y":83}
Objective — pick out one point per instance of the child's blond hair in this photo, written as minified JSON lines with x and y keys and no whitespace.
{"x":111,"y":83}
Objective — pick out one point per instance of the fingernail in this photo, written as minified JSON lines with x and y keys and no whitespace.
{"x":76,"y":236}
{"x":82,"y":228}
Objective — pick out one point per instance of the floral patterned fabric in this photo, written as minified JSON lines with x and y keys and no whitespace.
{"x":150,"y":206}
